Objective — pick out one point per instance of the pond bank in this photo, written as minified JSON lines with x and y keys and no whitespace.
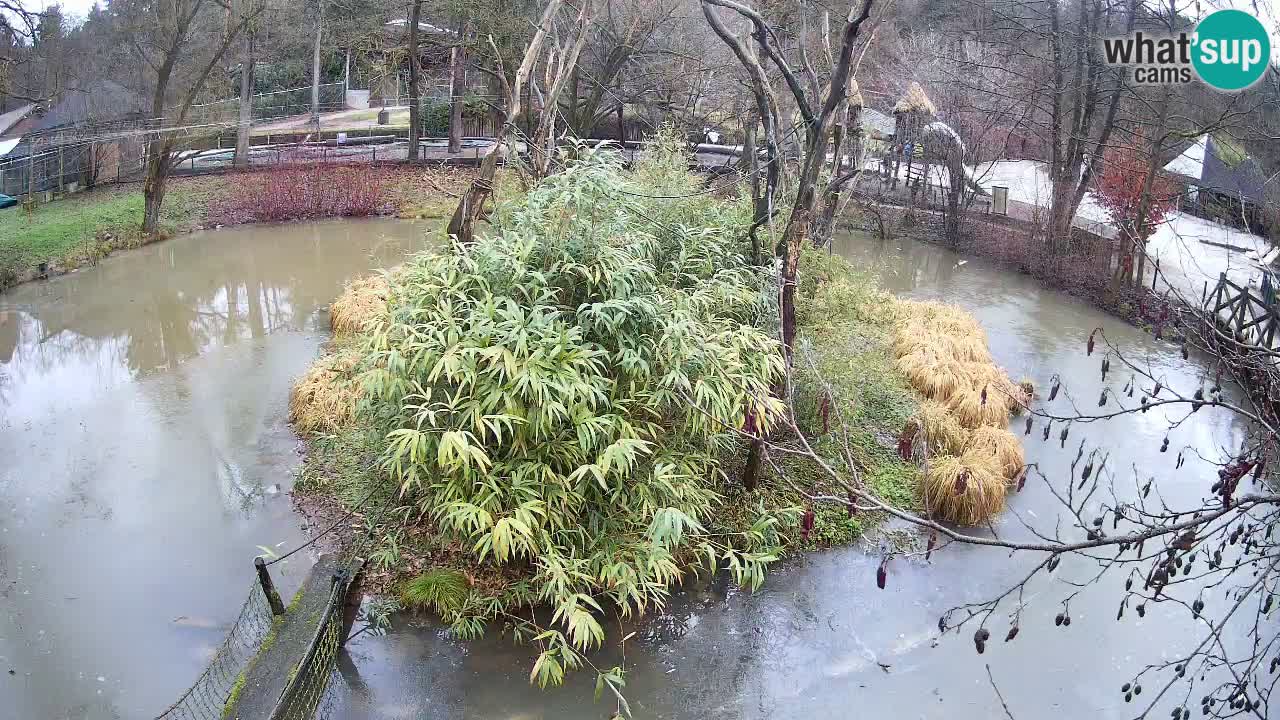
{"x":1085,"y":274}
{"x":81,"y":230}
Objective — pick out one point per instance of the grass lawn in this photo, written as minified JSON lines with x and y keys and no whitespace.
{"x":82,"y":229}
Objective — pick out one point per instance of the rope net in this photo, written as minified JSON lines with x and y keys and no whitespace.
{"x":207,"y":697}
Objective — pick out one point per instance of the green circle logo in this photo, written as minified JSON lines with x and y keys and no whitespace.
{"x":1232,"y":50}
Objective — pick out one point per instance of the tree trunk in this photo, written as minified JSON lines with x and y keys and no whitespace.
{"x":415,"y":120}
{"x":153,"y":186}
{"x":622,"y":123}
{"x":315,"y":69}
{"x":457,"y":90}
{"x":751,"y":472}
{"x":246,"y":103}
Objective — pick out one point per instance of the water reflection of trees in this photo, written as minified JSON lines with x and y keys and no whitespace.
{"x":180,"y":299}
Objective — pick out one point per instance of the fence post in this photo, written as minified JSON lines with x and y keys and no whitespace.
{"x":268,"y":587}
{"x":351,"y":604}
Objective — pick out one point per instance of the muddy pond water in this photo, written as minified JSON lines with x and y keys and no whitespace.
{"x":145,"y":456}
{"x":142,"y":434}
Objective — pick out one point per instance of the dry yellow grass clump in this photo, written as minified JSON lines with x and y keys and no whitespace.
{"x":1001,"y":445}
{"x":978,"y":404}
{"x":944,"y":434}
{"x":942,"y":351}
{"x":363,"y":300}
{"x":325,"y":398}
{"x":967,"y":490}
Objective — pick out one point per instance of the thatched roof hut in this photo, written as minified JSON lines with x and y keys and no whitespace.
{"x":912,"y":112}
{"x":855,"y":94}
{"x":915,"y":101}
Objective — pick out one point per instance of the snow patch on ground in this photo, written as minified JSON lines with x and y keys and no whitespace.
{"x":1182,"y":243}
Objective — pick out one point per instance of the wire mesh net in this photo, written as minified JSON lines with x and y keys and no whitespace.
{"x":207,"y":697}
{"x":306,"y":692}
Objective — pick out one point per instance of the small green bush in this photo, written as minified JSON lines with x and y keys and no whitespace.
{"x":434,"y":118}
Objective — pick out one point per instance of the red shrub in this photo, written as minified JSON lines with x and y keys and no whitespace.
{"x":304,"y":192}
{"x":1119,"y":190}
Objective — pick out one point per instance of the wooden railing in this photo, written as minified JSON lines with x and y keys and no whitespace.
{"x":1245,"y":313}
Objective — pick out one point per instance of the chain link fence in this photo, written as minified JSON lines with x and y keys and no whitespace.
{"x":272,"y":105}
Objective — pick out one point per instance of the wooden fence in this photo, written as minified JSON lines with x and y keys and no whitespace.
{"x":1252,"y":318}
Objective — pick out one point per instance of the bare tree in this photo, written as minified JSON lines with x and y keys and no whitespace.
{"x":457,"y":86}
{"x":247,"y":67}
{"x":315,"y":67}
{"x":177,"y":43}
{"x":415,"y":71}
{"x":472,"y":205}
{"x":817,"y":106}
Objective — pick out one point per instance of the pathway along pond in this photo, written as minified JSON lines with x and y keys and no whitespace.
{"x":142,"y":423}
{"x":819,"y":640}
{"x":142,"y":429}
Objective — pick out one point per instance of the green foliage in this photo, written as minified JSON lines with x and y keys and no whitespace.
{"x":443,"y":591}
{"x":434,"y":118}
{"x":843,"y":352}
{"x":1231,"y":152}
{"x":557,"y":395}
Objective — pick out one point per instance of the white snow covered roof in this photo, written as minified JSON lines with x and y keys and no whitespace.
{"x":422,"y":26}
{"x":1191,"y":162}
{"x":13,"y":117}
{"x":7,"y":146}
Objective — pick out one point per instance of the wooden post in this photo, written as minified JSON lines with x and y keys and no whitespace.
{"x":351,"y":604}
{"x":268,"y":587}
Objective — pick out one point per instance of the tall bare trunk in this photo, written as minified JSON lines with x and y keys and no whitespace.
{"x":246,"y":103}
{"x":315,"y":68}
{"x":154,"y":186}
{"x":415,"y":120}
{"x":457,"y":89}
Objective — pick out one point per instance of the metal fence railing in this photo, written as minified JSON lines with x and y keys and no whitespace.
{"x":309,"y":693}
{"x":268,"y":106}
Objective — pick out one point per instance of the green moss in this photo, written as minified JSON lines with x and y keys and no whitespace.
{"x":337,"y":466}
{"x":228,"y":710}
{"x":1230,"y":152}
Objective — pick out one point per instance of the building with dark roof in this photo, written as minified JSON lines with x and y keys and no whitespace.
{"x":1221,"y":182}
